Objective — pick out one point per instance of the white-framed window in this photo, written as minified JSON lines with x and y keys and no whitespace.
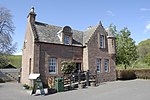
{"x":52,"y":65}
{"x":102,"y":40}
{"x":106,"y":65}
{"x":98,"y":64}
{"x":66,"y":39}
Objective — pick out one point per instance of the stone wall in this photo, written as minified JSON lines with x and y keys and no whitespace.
{"x":61,"y":53}
{"x":94,"y":51}
{"x":27,"y":55}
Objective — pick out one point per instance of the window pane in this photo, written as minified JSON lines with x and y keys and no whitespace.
{"x":66,"y":39}
{"x":52,"y":65}
{"x":98,"y":64}
{"x":101,"y":41}
{"x":106,"y":63}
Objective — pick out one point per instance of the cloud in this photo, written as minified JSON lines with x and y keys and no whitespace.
{"x":18,"y":53}
{"x":144,"y":9}
{"x":147,"y":27}
{"x":110,"y":13}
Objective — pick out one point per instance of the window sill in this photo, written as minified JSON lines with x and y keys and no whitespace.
{"x":52,"y":73}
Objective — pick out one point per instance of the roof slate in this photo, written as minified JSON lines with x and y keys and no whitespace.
{"x":88,"y":33}
{"x":49,"y":34}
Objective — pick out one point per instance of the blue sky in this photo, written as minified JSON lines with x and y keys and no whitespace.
{"x":79,"y":14}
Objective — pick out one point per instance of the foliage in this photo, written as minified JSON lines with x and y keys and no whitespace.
{"x":147,"y":59}
{"x":136,"y":65}
{"x":143,"y":51}
{"x":3,"y":61}
{"x":133,"y":73}
{"x":126,"y":74}
{"x":142,"y":73}
{"x":68,"y":67}
{"x":15,"y":60}
{"x":27,"y":86}
{"x":126,"y":51}
{"x":6,"y":31}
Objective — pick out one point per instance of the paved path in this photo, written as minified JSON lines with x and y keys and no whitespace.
{"x":119,"y":90}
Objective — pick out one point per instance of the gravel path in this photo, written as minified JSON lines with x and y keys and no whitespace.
{"x":118,"y":90}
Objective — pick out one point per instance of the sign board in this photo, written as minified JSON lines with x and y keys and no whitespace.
{"x":33,"y":76}
{"x":38,"y":85}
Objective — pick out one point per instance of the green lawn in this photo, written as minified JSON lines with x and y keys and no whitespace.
{"x":138,"y":65}
{"x":15,"y":60}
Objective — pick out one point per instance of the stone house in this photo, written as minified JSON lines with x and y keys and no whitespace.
{"x":47,"y":46}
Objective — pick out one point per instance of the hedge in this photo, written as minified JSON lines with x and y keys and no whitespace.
{"x":133,"y":74}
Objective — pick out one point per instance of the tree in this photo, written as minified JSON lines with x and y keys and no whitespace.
{"x":126,"y":51}
{"x":147,"y":59}
{"x":143,"y":49}
{"x":6,"y":32}
{"x":68,"y":67}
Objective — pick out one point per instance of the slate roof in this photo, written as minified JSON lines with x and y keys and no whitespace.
{"x":10,"y":66}
{"x":49,"y":34}
{"x":88,"y":33}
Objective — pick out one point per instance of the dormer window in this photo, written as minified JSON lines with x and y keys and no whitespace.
{"x":65,"y":35}
{"x":66,"y":39}
{"x":102,"y":40}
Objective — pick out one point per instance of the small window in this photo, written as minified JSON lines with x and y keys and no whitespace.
{"x":98,"y":64}
{"x":106,"y":65}
{"x":113,"y":43}
{"x":101,"y":41}
{"x":25,"y":43}
{"x":30,"y":60}
{"x":78,"y":67}
{"x":52,"y":65}
{"x":66,"y":39}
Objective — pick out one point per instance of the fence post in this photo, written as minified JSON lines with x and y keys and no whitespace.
{"x":96,"y":80}
{"x":87,"y":78}
{"x":79,"y":76}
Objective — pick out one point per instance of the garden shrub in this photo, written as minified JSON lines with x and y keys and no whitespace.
{"x":26,"y":86}
{"x":133,"y":74}
{"x":142,"y":73}
{"x":127,"y":75}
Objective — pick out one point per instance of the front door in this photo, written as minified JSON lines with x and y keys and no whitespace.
{"x":78,"y":67}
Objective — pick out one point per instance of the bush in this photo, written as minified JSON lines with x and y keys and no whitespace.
{"x":68,"y":67}
{"x":2,"y":81}
{"x":126,"y":75}
{"x":132,"y":74}
{"x":26,"y":86}
{"x":142,"y":73}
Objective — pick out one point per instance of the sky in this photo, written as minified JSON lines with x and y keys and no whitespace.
{"x":80,"y":14}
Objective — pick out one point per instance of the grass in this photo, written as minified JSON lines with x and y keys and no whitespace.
{"x":138,"y":65}
{"x":15,"y":60}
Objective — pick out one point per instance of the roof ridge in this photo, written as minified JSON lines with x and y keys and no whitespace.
{"x":47,"y":33}
{"x":45,"y":24}
{"x":40,"y":23}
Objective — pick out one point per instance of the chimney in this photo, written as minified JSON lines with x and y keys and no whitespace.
{"x":31,"y":16}
{"x":89,"y":27}
{"x":111,"y":42}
